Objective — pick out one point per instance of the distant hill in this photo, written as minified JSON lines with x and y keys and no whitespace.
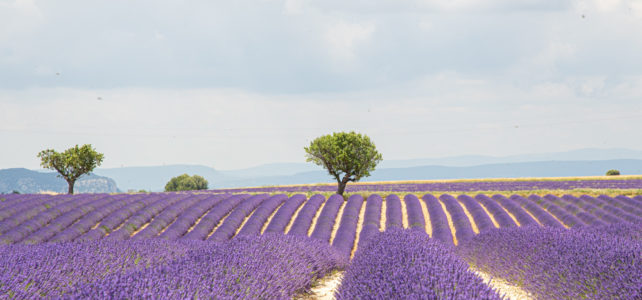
{"x":507,"y":170}
{"x":155,"y":178}
{"x":28,"y":182}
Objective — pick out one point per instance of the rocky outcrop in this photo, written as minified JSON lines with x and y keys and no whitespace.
{"x":28,"y":182}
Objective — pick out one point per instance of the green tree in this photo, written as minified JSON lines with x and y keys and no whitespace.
{"x":72,"y":163}
{"x":348,"y":156}
{"x":186,"y":183}
{"x":612,"y":173}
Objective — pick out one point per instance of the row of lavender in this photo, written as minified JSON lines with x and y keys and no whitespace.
{"x":271,"y":266}
{"x":461,"y":186}
{"x":219,"y":217}
{"x":596,"y":262}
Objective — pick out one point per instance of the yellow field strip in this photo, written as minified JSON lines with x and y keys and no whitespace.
{"x":220,"y":222}
{"x":199,"y":219}
{"x":294,"y":216}
{"x":470,"y":218}
{"x":337,"y":220}
{"x":95,"y":226}
{"x":552,"y":215}
{"x":532,"y":216}
{"x":509,"y":213}
{"x":362,"y":214}
{"x":504,"y":288}
{"x":245,"y":221}
{"x":404,"y":213}
{"x":382,"y":223}
{"x":323,"y":288}
{"x":141,"y":228}
{"x":316,"y":217}
{"x":453,"y":231}
{"x":269,"y":219}
{"x":572,"y":178}
{"x":424,"y":211}
{"x":117,"y":227}
{"x":168,"y":225}
{"x":492,"y":218}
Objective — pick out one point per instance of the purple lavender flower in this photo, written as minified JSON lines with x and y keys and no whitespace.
{"x":407,"y":264}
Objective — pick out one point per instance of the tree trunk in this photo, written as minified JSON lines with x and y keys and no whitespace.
{"x":342,"y":185}
{"x":71,"y":186}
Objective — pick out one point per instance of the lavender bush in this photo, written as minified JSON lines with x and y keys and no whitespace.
{"x":416,"y":220}
{"x":270,"y":266}
{"x":323,"y":229}
{"x":347,"y":231}
{"x":282,"y":217}
{"x":565,"y":217}
{"x":52,"y":270}
{"x":393,"y":212}
{"x":520,"y":214}
{"x":480,"y":217}
{"x":554,"y":263}
{"x":500,"y":215}
{"x":143,"y":216}
{"x":187,"y":218}
{"x":304,"y":219}
{"x":407,"y":264}
{"x":227,"y":230}
{"x":542,"y":216}
{"x":255,"y":223}
{"x":213,"y":217}
{"x":454,"y":186}
{"x":463,"y":229}
{"x":371,"y":219}
{"x":438,"y":220}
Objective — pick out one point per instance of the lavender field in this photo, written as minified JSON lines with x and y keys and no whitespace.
{"x":274,"y":246}
{"x":472,"y":185}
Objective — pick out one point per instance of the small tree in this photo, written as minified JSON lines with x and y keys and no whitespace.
{"x":186,"y":183}
{"x":72,"y":163}
{"x":347,"y":156}
{"x":612,"y":173}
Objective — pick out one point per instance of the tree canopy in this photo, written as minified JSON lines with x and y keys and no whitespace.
{"x":72,"y":163}
{"x":186,"y":183}
{"x":612,"y":173}
{"x":348,"y":156}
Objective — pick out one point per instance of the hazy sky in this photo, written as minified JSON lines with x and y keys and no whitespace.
{"x":233,"y":84}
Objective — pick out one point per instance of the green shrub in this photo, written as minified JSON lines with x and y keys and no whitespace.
{"x":612,"y":173}
{"x":186,"y":183}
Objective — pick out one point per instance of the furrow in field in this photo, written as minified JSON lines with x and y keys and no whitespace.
{"x":453,"y":231}
{"x":510,"y":215}
{"x":424,"y":211}
{"x":337,"y":221}
{"x":247,"y":218}
{"x":303,"y":222}
{"x":198,"y":220}
{"x":294,"y":216}
{"x":470,"y":219}
{"x":504,"y":288}
{"x":384,"y":211}
{"x":404,"y":214}
{"x":362,"y":213}
{"x":492,"y":218}
{"x":313,"y":225}
{"x":218,"y":224}
{"x":269,"y":219}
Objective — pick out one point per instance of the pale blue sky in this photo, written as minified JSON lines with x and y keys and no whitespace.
{"x":233,"y":84}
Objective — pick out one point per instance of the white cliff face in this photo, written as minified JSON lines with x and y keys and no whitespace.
{"x":28,"y":182}
{"x":95,"y":184}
